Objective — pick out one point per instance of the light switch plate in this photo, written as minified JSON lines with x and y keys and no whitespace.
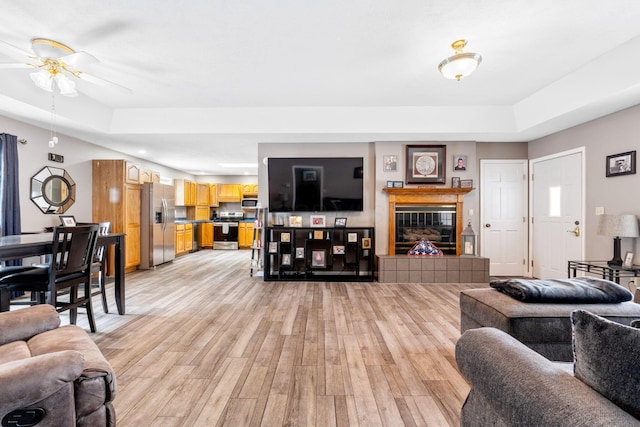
{"x":600,"y":210}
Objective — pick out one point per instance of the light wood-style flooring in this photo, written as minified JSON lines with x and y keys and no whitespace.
{"x":203,"y":344}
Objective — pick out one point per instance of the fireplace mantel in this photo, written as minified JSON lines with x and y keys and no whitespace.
{"x":421,"y":197}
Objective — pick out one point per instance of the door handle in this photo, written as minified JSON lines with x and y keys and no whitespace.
{"x":575,"y":231}
{"x":487,"y":225}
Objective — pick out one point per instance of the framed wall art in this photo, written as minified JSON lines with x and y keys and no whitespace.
{"x":621,"y":164}
{"x":390,"y":163}
{"x":459,"y":162}
{"x":425,"y":164}
{"x":340,"y":222}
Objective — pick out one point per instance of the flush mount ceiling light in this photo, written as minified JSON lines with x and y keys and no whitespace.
{"x":461,"y":64}
{"x":57,"y":65}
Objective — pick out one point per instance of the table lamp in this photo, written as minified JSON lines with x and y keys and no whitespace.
{"x":618,"y":226}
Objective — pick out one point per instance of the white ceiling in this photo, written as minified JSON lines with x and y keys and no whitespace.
{"x":212,"y":78}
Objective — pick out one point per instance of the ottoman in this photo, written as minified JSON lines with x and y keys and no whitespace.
{"x":543,"y":327}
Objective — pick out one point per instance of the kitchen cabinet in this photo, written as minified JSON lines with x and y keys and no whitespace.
{"x":145,"y":176}
{"x":213,"y":195}
{"x":201,"y":213}
{"x":179,"y":239}
{"x":249,"y":190}
{"x":155,"y":177}
{"x":185,"y":192}
{"x":116,"y":200}
{"x":202,"y":194}
{"x":229,"y":193}
{"x":245,"y":235}
{"x":184,"y":238}
{"x":205,"y":235}
{"x":188,"y":237}
{"x":132,"y":172}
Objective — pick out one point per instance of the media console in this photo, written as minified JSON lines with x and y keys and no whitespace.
{"x":319,"y":254}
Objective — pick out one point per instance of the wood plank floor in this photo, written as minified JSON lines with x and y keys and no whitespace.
{"x":203,"y":344}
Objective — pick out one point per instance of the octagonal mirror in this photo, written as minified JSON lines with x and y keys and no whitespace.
{"x":53,"y":190}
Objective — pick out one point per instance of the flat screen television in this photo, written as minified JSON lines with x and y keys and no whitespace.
{"x":315,"y":184}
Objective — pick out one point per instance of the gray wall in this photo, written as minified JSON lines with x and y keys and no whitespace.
{"x":78,"y":154}
{"x":613,"y":134}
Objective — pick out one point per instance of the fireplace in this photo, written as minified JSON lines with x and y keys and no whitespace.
{"x":434,"y":222}
{"x":433,"y":213}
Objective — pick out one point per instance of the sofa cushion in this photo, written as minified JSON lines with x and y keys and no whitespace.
{"x":14,"y":351}
{"x":606,"y":358}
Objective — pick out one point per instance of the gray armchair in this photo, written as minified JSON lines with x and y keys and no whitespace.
{"x":50,"y":373}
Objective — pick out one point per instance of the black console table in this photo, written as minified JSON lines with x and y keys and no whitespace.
{"x":319,"y":253}
{"x":602,"y":269}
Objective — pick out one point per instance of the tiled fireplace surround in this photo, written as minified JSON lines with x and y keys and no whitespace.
{"x":429,"y":269}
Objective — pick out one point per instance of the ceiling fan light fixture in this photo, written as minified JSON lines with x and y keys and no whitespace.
{"x":461,"y":64}
{"x":66,"y":86}
{"x":42,"y":79}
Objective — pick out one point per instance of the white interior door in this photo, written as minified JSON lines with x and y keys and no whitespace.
{"x":503,"y":216}
{"x":557,"y":213}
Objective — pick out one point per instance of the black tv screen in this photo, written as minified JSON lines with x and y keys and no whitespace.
{"x":315,"y":184}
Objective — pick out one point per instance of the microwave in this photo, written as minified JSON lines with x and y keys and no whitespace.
{"x":249,"y":203}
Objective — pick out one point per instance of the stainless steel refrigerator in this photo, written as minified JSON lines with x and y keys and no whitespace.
{"x":158,"y":228}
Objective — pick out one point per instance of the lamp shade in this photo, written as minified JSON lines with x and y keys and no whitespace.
{"x":618,"y":225}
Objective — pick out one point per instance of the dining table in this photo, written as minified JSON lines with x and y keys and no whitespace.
{"x":36,"y":244}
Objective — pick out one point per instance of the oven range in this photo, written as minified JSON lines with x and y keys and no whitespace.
{"x":225,"y":230}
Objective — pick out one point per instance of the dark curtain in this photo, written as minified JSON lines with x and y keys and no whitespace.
{"x":9,"y":189}
{"x":9,"y":186}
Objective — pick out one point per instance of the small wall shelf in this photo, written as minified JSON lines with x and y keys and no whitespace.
{"x":322,"y":254}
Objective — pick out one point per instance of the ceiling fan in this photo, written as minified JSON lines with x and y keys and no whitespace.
{"x":56,"y":65}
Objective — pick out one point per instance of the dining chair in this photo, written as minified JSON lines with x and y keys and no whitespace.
{"x":69,"y":269}
{"x":98,"y":269}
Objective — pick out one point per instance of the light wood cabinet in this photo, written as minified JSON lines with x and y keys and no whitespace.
{"x":205,"y":235}
{"x":116,"y":200}
{"x":155,"y":177}
{"x":188,"y":237}
{"x":229,"y":193}
{"x":202,"y":194}
{"x":145,"y":176}
{"x":179,"y":239}
{"x":184,"y":238}
{"x":202,"y":212}
{"x":249,"y":190}
{"x":213,"y":195}
{"x":185,"y":192}
{"x":245,"y":235}
{"x":132,"y":172}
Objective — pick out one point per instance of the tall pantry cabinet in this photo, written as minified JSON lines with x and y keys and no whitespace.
{"x":116,"y":198}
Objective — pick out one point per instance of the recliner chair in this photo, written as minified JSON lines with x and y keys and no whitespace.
{"x":52,"y":375}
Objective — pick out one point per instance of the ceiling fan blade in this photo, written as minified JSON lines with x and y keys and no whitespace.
{"x":79,"y":59}
{"x":15,"y":51}
{"x":105,"y":83}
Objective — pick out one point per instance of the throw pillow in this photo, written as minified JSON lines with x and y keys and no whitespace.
{"x":606,"y":357}
{"x":424,"y":247}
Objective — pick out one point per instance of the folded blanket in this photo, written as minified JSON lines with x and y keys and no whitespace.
{"x":583,"y":290}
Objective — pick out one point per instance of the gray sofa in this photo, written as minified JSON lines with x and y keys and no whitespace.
{"x":512,"y":385}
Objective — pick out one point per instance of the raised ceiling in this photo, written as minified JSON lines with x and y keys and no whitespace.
{"x":211,"y":78}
